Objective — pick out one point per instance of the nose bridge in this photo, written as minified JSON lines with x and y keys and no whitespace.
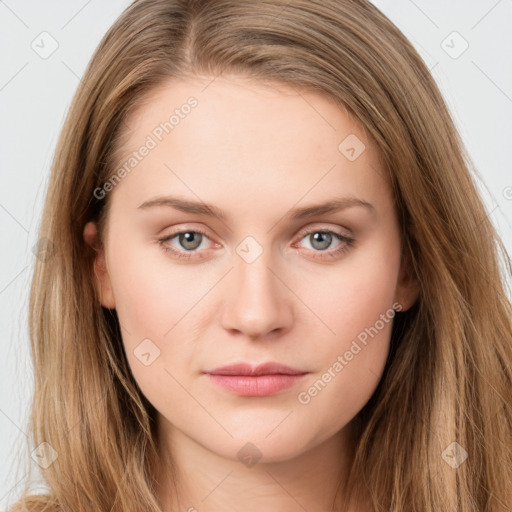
{"x":257,"y":301}
{"x":252,"y":272}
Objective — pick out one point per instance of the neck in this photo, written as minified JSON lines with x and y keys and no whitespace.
{"x":208,"y":482}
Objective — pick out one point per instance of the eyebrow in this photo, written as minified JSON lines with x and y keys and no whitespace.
{"x":201,"y":208}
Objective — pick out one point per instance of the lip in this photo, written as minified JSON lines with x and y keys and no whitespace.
{"x":245,"y":379}
{"x":270,"y":368}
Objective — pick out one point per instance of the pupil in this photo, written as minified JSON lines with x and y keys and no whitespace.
{"x":186,"y":239}
{"x":322,"y":237}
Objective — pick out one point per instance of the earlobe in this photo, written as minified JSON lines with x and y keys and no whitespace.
{"x":408,"y":287}
{"x":101,"y":277}
{"x":406,"y":294}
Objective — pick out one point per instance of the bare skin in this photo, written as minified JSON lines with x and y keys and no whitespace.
{"x":255,"y":152}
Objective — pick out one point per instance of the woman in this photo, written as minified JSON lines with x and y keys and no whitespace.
{"x":266,"y":367}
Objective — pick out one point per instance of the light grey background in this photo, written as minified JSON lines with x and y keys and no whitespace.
{"x":35,"y":94}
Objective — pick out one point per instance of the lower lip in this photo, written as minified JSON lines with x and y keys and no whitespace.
{"x":261,"y":385}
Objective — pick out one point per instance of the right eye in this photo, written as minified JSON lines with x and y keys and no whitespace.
{"x":189,"y":240}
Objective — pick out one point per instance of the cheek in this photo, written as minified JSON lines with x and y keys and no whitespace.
{"x":349,"y":370}
{"x":155,"y":304}
{"x":152,"y":294}
{"x":350,"y":296}
{"x":335,"y":395}
{"x":356,"y":308}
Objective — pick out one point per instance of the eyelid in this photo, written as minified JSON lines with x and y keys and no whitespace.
{"x":184,"y":229}
{"x":318,"y":226}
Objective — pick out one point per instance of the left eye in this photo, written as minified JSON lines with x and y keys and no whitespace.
{"x":323,"y":238}
{"x":189,"y":240}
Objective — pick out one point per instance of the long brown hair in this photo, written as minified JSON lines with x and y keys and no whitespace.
{"x":447,"y":384}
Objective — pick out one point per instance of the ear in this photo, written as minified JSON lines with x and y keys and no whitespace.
{"x":408,"y":287}
{"x":101,"y":277}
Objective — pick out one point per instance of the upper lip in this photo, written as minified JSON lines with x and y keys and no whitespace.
{"x":271,"y":368}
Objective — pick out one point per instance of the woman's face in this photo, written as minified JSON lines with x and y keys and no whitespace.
{"x":297,"y":262}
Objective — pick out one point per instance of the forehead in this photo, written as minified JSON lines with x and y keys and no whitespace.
{"x":225,"y":104}
{"x":232,"y":136}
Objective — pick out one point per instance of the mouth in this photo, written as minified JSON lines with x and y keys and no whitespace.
{"x":243,"y":379}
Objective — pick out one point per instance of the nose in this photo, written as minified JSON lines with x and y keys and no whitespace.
{"x":258,"y":303}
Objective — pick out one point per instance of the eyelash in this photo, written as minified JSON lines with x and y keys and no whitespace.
{"x":348,"y":243}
